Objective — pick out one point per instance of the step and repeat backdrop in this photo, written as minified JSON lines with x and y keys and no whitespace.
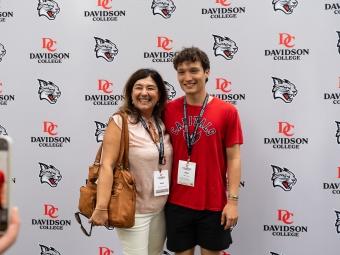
{"x":63,"y":65}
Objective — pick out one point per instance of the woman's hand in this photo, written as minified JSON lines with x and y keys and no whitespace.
{"x":99,"y":218}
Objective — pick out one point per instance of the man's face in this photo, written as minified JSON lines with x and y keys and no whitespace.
{"x":192,"y":77}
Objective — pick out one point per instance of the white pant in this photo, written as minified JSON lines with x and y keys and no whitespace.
{"x":146,"y":237}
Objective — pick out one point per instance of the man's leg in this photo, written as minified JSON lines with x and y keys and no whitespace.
{"x":208,"y":252}
{"x":211,"y":236}
{"x":187,"y":252}
{"x":180,"y":229}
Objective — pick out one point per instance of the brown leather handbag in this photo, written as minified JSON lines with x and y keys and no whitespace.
{"x":122,"y":204}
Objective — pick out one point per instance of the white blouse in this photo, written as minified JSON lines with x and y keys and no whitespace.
{"x":143,"y":160}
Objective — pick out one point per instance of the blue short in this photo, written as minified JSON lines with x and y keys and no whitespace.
{"x":187,"y":228}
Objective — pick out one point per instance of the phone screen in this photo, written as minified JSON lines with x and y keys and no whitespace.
{"x":4,"y":174}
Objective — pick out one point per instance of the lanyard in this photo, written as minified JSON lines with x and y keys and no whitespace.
{"x":190,"y":139}
{"x":160,"y":148}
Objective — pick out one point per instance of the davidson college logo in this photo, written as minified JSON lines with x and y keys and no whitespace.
{"x":224,"y":10}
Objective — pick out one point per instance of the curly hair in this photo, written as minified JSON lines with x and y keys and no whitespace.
{"x":192,"y":54}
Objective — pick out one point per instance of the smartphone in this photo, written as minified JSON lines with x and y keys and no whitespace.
{"x":5,"y":169}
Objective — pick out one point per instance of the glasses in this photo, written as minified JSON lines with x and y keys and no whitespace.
{"x":78,"y":216}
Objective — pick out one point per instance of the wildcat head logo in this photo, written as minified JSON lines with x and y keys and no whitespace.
{"x":287,"y":6}
{"x":100,"y":131}
{"x":105,"y":49}
{"x":284,"y":90}
{"x":165,"y":8}
{"x":49,"y":174}
{"x":337,"y":44}
{"x":224,"y":47}
{"x":171,"y":90}
{"x":48,"y":250}
{"x":48,"y":8}
{"x":337,"y":135}
{"x":2,"y":51}
{"x":337,"y":222}
{"x":3,"y":131}
{"x":48,"y":91}
{"x":283,"y":178}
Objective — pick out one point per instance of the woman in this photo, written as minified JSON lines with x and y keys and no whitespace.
{"x":150,"y":158}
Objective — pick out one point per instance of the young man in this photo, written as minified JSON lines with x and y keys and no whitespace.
{"x":206,"y":136}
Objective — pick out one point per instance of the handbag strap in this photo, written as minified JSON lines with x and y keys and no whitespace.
{"x":123,"y":157}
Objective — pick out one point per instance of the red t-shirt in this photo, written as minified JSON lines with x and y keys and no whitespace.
{"x":220,"y":128}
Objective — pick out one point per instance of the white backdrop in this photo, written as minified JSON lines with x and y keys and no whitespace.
{"x":289,"y":199}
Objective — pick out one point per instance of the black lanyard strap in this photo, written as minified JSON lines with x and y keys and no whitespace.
{"x":190,"y":139}
{"x":160,"y":147}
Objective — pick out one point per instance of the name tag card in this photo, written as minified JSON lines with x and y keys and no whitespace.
{"x":161,"y":183}
{"x":186,"y":173}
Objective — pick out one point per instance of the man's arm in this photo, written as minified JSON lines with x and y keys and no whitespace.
{"x":229,"y":215}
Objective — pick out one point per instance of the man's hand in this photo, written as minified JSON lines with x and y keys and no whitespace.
{"x":229,"y":215}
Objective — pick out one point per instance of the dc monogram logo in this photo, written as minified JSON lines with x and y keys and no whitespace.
{"x":105,"y":251}
{"x":50,"y":211}
{"x":48,"y":9}
{"x":48,"y":44}
{"x":224,"y":3}
{"x":286,"y":40}
{"x":164,"y":42}
{"x":49,"y":128}
{"x":105,"y":86}
{"x":285,"y":128}
{"x":223,"y":85}
{"x":285,"y":216}
{"x":104,"y":4}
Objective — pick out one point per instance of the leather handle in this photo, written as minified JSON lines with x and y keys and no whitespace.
{"x":123,"y":157}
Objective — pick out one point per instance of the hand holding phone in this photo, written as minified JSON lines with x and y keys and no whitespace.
{"x":5,"y":167}
{"x":12,"y":232}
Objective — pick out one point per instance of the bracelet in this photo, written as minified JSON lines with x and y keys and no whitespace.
{"x":233,"y":197}
{"x":101,"y":209}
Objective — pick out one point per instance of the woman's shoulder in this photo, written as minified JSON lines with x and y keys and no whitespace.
{"x":117,"y":118}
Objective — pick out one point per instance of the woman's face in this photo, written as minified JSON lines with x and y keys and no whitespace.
{"x":145,"y":96}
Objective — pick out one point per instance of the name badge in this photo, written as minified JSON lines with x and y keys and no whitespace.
{"x":186,"y":173}
{"x":161,"y":183}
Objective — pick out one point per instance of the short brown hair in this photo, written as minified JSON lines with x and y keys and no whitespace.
{"x":192,"y":54}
